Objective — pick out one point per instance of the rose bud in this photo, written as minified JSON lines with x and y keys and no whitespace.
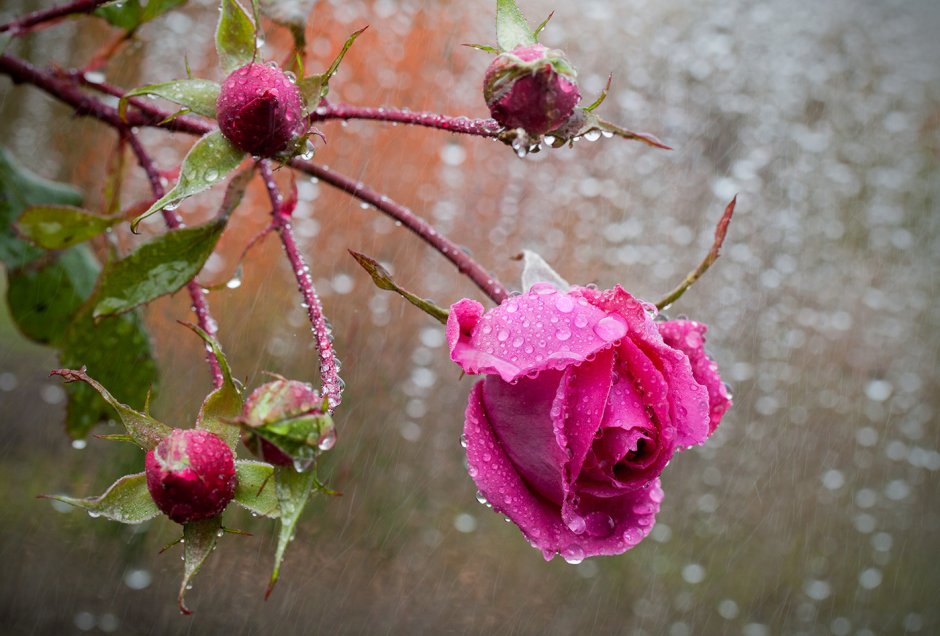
{"x":191,"y":475}
{"x":260,"y":110}
{"x":531,"y":87}
{"x":586,"y":399}
{"x":285,"y":422}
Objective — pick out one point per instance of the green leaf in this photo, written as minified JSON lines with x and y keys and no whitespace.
{"x":56,"y":227}
{"x":484,"y":47}
{"x":331,"y":71}
{"x":157,"y":268}
{"x":234,"y":37}
{"x":143,"y":429}
{"x":199,"y":539}
{"x":207,"y":163}
{"x":127,"y":500}
{"x":222,"y":407}
{"x":197,"y":95}
{"x":45,"y":295}
{"x":383,"y":280}
{"x":293,"y":492}
{"x":511,"y":28}
{"x":301,"y":436}
{"x":114,"y":180}
{"x":255,"y":490}
{"x":20,"y":188}
{"x":130,"y":14}
{"x":600,"y":98}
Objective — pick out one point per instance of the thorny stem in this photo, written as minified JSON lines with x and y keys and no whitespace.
{"x":25,"y":23}
{"x":720,"y":231}
{"x":280,"y":219}
{"x":478,"y":127}
{"x":64,"y":88}
{"x":466,"y":265}
{"x":174,"y":221}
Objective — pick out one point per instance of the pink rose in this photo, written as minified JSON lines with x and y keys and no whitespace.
{"x":586,"y":399}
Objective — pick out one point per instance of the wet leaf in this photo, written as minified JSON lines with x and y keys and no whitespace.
{"x":143,"y":429}
{"x":114,"y":180}
{"x":157,"y":268}
{"x":255,"y":490}
{"x":542,"y":26}
{"x":234,"y":37}
{"x":55,"y":227}
{"x":383,"y":280}
{"x":512,"y":30}
{"x":199,"y":539}
{"x":302,"y":437}
{"x":207,"y":163}
{"x":20,"y":188}
{"x":45,"y":295}
{"x":197,"y":95}
{"x":222,"y":407}
{"x":127,"y":500}
{"x":130,"y":14}
{"x":293,"y":491}
{"x":484,"y":47}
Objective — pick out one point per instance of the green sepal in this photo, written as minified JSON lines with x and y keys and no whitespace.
{"x":234,"y":37}
{"x":19,"y":189}
{"x":585,"y":122}
{"x":207,"y":163}
{"x":600,"y":98}
{"x":199,"y":538}
{"x":256,"y":490}
{"x":483,"y":47}
{"x":56,"y":227}
{"x":130,"y":14}
{"x":512,"y":30}
{"x":301,"y":437}
{"x":197,"y":95}
{"x":157,"y":268}
{"x":383,"y":280}
{"x":293,"y":491}
{"x":541,"y":26}
{"x":127,"y":500}
{"x":316,"y":87}
{"x":222,"y":407}
{"x":143,"y":429}
{"x":292,"y":14}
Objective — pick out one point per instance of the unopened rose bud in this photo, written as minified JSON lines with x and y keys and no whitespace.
{"x":531,"y":87}
{"x":191,"y":475}
{"x":260,"y":110}
{"x":286,"y":423}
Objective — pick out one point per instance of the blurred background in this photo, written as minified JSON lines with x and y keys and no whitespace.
{"x":813,"y":509}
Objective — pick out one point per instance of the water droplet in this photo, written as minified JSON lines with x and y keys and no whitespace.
{"x":573,"y":554}
{"x":564,"y":303}
{"x":79,"y":444}
{"x":463,"y":440}
{"x":502,"y":335}
{"x":592,"y":135}
{"x":611,"y":328}
{"x":576,"y":524}
{"x":328,"y":440}
{"x":563,"y":334}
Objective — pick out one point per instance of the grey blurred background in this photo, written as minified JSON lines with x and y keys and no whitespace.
{"x":813,"y":510}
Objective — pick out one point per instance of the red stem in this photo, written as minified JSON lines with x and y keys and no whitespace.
{"x":465,"y":264}
{"x":478,"y":127}
{"x":174,"y":221}
{"x":329,"y":371}
{"x":27,"y":22}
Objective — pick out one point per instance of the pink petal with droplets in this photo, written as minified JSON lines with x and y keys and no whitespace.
{"x":527,"y":334}
{"x":688,"y":336}
{"x":612,"y":525}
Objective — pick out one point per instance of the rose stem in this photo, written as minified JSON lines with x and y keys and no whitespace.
{"x":173,"y":221}
{"x":478,"y":127}
{"x":720,"y":231}
{"x":280,"y":219}
{"x":66,"y":90}
{"x":27,"y":22}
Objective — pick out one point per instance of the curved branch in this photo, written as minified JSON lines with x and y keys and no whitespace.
{"x":27,"y":22}
{"x":464,"y":125}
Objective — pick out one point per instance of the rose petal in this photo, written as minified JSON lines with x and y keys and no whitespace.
{"x":521,"y":415}
{"x":612,"y":525}
{"x":527,"y":334}
{"x":686,"y":399}
{"x":688,"y":336}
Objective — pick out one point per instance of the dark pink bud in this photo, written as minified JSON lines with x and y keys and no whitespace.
{"x":191,"y":475}
{"x":531,"y":87}
{"x":260,"y":110}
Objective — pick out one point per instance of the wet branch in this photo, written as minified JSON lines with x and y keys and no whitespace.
{"x":280,"y":220}
{"x":464,"y":125}
{"x":28,"y":22}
